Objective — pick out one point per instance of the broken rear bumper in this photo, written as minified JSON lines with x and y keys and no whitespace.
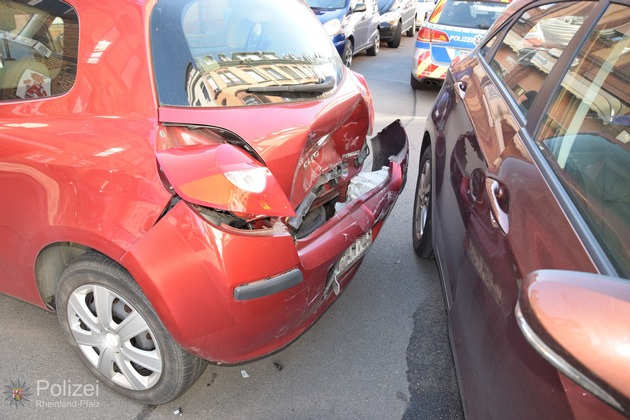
{"x":229,"y":295}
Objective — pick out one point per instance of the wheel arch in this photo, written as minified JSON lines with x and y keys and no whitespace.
{"x":52,"y":260}
{"x":426,"y":142}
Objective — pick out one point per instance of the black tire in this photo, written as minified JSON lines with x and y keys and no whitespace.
{"x":422,"y":208}
{"x":395,"y":42}
{"x":145,"y":363}
{"x":346,"y":56}
{"x":416,"y":84}
{"x":412,"y":30}
{"x":373,"y":50}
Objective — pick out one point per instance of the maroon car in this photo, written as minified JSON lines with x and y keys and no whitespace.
{"x":523,"y":197}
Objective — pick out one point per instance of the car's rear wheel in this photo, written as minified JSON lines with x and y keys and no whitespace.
{"x":117,"y":334}
{"x":412,"y":30}
{"x":415,"y":83}
{"x":346,"y":57}
{"x":395,"y":42}
{"x":422,"y":210}
{"x":373,"y":50}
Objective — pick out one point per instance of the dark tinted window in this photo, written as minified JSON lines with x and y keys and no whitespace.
{"x":586,"y":134}
{"x":38,"y":49}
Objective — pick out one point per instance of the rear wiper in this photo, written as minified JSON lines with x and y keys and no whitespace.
{"x":321,"y":86}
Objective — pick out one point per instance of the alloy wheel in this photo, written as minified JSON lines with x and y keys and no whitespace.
{"x":422,"y":199}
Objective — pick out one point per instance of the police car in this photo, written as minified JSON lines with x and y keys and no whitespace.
{"x":453,"y":30}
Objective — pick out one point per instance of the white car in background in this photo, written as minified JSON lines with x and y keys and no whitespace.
{"x":423,"y":10}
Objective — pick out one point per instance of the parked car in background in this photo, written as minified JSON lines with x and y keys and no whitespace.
{"x":183,"y":180}
{"x":454,"y":28}
{"x":423,"y":11}
{"x":397,"y":17}
{"x":353,"y":26}
{"x":523,"y":198}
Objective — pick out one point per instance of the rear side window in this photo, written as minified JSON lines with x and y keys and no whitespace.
{"x":532,"y":46}
{"x":585,"y":134}
{"x":467,"y":14}
{"x":38,"y":49}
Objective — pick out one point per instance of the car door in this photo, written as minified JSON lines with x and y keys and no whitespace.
{"x":359,"y":21}
{"x":502,"y":209}
{"x":38,"y":57}
{"x":409,"y":13}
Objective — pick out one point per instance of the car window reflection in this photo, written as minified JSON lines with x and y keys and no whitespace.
{"x":586,"y":134}
{"x":531,"y":48}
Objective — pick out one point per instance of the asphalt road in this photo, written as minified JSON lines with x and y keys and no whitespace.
{"x":381,"y":352}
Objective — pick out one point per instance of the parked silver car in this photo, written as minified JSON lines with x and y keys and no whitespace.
{"x":397,"y":16}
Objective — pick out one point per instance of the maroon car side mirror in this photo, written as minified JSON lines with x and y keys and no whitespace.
{"x":580,"y":323}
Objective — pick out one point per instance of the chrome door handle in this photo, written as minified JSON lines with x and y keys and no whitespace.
{"x":461,"y":89}
{"x":498,"y":199}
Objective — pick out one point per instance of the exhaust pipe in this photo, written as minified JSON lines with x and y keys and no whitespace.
{"x":432,"y":82}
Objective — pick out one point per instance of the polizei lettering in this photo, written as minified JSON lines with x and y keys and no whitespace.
{"x":67,"y":389}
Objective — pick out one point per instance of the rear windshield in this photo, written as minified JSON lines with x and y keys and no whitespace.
{"x":209,"y":53}
{"x":467,"y":14}
{"x":327,"y":4}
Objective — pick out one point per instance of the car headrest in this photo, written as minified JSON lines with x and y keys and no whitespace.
{"x":7,"y":22}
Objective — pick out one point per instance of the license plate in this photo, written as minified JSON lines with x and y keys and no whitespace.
{"x":348,"y":258}
{"x":355,"y":252}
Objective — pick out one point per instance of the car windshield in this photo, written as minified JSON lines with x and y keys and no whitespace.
{"x":326,"y":4}
{"x":209,"y":53}
{"x":468,"y":14}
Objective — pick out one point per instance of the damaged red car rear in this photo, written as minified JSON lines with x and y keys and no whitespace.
{"x":187,"y":181}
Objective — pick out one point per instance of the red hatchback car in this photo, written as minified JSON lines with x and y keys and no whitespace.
{"x":523,"y":197}
{"x":183,"y":179}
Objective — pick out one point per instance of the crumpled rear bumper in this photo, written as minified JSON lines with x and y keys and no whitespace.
{"x":229,"y":295}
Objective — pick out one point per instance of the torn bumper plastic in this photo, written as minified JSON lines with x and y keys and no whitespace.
{"x":230,"y":295}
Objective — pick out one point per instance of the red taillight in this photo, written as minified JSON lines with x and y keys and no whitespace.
{"x":424,"y":34}
{"x":439,"y":36}
{"x":431,"y":35}
{"x":213,"y":169}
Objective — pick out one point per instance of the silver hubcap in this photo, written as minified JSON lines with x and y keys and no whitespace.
{"x":377,"y":42}
{"x":424,"y":193}
{"x":114,"y":337}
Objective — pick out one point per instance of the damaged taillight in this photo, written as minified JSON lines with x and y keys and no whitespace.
{"x":214,"y":169}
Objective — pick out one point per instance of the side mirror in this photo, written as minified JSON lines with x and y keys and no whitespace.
{"x":580,"y":323}
{"x":360,"y":7}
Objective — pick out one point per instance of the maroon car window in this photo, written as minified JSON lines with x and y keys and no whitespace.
{"x":586,"y":134}
{"x":240,"y":52}
{"x":38,"y":49}
{"x":532,"y":46}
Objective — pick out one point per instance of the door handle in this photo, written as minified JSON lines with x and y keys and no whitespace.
{"x":499,"y":201}
{"x":461,"y":89}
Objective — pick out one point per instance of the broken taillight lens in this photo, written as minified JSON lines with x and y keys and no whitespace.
{"x":215,"y":169}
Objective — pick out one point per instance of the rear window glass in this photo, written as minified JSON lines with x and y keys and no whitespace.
{"x":210,"y":53}
{"x":327,"y":4}
{"x":467,"y":14}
